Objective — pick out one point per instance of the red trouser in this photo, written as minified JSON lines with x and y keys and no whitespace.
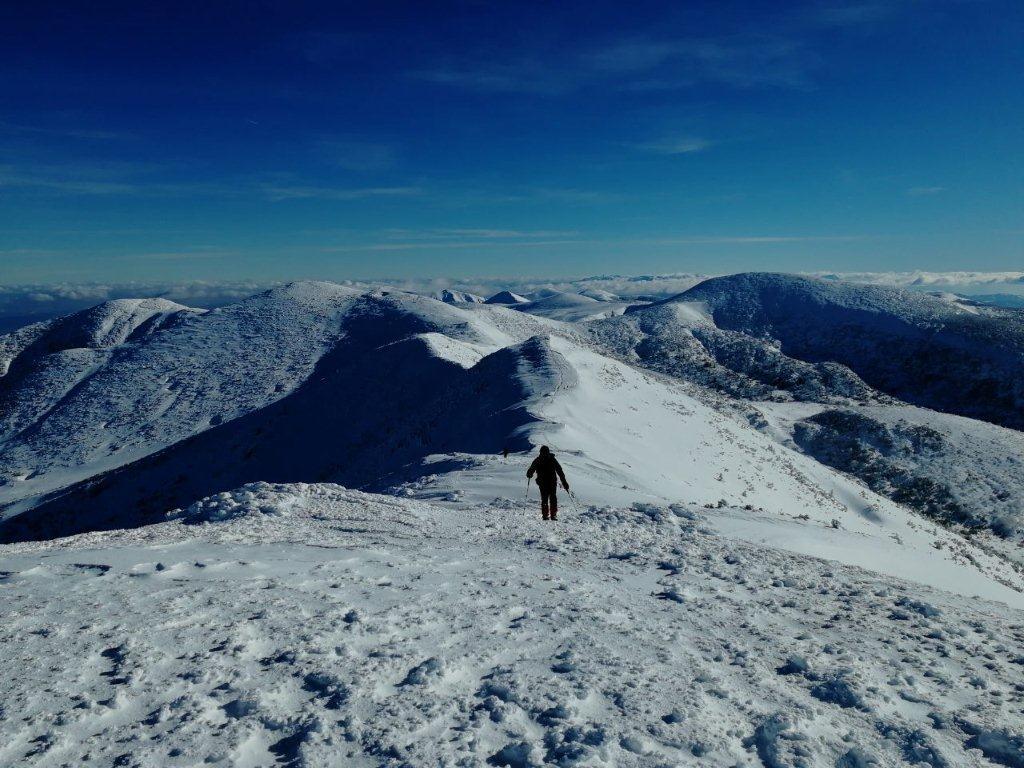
{"x":548,"y":500}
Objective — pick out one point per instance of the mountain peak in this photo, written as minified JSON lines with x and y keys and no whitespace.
{"x":507,"y":297}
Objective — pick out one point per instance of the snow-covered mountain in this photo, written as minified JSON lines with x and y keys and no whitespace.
{"x":572,"y":307}
{"x":317,"y":382}
{"x":920,"y":348}
{"x":1007,"y":300}
{"x":752,"y":455}
{"x":599,"y":294}
{"x":449,"y":296}
{"x":507,"y":297}
{"x":72,"y":412}
{"x":732,"y":335}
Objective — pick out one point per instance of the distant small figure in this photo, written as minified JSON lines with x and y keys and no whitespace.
{"x":505,"y":453}
{"x":548,"y":472}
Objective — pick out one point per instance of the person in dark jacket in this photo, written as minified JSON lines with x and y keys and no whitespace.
{"x":548,"y":472}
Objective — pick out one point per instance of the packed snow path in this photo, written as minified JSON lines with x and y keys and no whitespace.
{"x":309,"y":625}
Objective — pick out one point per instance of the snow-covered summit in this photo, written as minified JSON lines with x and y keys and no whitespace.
{"x":507,"y":297}
{"x":755,"y":299}
{"x":917,"y":347}
{"x":572,"y":307}
{"x":599,"y":294}
{"x":449,"y":296}
{"x":110,"y":323}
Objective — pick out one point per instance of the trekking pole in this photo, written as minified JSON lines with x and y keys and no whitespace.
{"x":576,"y":502}
{"x":527,"y":496}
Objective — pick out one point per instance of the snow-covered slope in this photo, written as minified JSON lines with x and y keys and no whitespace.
{"x":572,"y":307}
{"x":599,"y":294}
{"x":507,"y":297}
{"x":920,"y":348}
{"x":680,"y":339}
{"x":316,"y":626}
{"x":958,"y":471}
{"x":165,"y":375}
{"x":626,"y":436}
{"x":391,"y":378}
{"x":14,"y":343}
{"x":46,"y":362}
{"x":415,"y":390}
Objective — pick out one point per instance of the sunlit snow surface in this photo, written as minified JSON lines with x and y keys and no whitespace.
{"x":311,"y":625}
{"x":769,"y":559}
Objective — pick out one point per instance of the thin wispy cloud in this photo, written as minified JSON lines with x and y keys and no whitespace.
{"x":137,"y":180}
{"x":145,"y":180}
{"x":685,"y":145}
{"x":356,"y":155}
{"x":29,"y":254}
{"x":527,"y":75}
{"x":95,"y":178}
{"x":739,"y":62}
{"x":637,"y":64}
{"x":62,"y":132}
{"x":633,"y":55}
{"x":574,"y":195}
{"x":925,"y":191}
{"x":284,"y":192}
{"x":758,"y":239}
{"x":186,"y":254}
{"x":75,"y":178}
{"x":65,"y":186}
{"x":455,"y":244}
{"x":477,"y":233}
{"x":513,"y":242}
{"x":850,"y":15}
{"x":782,"y":53}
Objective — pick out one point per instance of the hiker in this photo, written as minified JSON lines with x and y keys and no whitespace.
{"x":504,"y":453}
{"x":548,"y":472}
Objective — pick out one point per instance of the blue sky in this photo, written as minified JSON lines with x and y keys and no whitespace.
{"x":274,"y":141}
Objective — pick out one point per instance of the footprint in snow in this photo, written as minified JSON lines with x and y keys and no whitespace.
{"x":564,"y":665}
{"x":424,"y":672}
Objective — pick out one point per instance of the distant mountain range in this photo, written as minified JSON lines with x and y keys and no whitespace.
{"x":917,"y":397}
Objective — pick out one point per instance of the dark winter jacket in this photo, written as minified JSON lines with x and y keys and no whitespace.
{"x":547,"y":469}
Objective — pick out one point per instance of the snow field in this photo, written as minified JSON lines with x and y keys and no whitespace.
{"x":315,"y":626}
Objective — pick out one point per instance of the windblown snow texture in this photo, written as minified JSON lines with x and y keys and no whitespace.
{"x":311,"y":625}
{"x":797,"y":542}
